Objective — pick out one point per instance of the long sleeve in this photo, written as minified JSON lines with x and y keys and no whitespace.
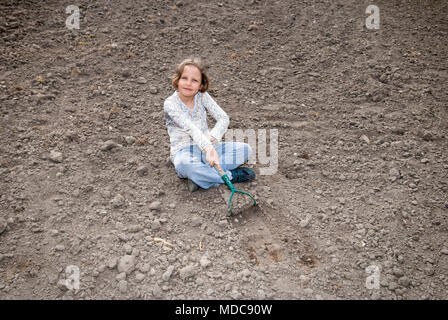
{"x":221,"y":117}
{"x":182,"y":120}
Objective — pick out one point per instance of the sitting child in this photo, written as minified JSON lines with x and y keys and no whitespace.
{"x":194,"y":149}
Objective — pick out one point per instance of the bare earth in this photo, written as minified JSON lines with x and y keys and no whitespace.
{"x":362,"y":177}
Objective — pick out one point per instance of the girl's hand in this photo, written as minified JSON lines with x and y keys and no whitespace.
{"x":212,"y":155}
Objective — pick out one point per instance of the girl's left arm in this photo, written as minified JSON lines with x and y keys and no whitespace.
{"x":221,"y":117}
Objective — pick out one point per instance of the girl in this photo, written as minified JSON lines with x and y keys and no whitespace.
{"x":195,"y":149}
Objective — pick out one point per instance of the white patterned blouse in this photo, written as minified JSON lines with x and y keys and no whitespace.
{"x":189,"y":126}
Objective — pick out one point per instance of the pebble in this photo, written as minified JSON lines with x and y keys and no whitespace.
{"x":404,"y":281}
{"x":121,"y":276}
{"x":59,"y":247}
{"x":112,"y":263}
{"x":424,"y":160}
{"x":305,"y":222}
{"x":187,"y":272}
{"x":108,"y":145}
{"x":397,"y":272}
{"x":55,"y":156}
{"x":155,"y":205}
{"x":196,"y":221}
{"x":126,"y":264}
{"x":365,"y":138}
{"x":205,"y":262}
{"x":141,"y":80}
{"x":223,"y":223}
{"x":155,"y":225}
{"x":118,"y":201}
{"x":123,"y":286}
{"x":130,"y":140}
{"x":122,"y":237}
{"x":394,"y":174}
{"x":127,"y":248}
{"x":261,"y":294}
{"x":157,"y":292}
{"x":235,"y":294}
{"x":142,"y":170}
{"x":393,"y":286}
{"x":139,"y":277}
{"x":443,"y":251}
{"x":153,"y":90}
{"x":167,"y":274}
{"x":144,"y":268}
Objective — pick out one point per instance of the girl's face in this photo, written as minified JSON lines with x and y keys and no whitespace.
{"x":190,"y":81}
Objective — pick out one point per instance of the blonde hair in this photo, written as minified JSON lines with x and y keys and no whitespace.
{"x":198,"y":63}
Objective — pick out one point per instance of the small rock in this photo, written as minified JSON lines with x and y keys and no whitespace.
{"x":108,"y":145}
{"x":157,"y":292}
{"x":141,"y":80}
{"x":155,"y":205}
{"x":144,"y":268}
{"x":187,"y":272}
{"x":424,"y":160}
{"x":196,"y":221}
{"x":121,"y":276}
{"x":205,"y":262}
{"x":167,"y":274}
{"x":443,"y":251}
{"x":397,"y":272}
{"x":55,"y":156}
{"x":118,"y":201}
{"x":305,"y":222}
{"x":130,"y":140}
{"x":126,"y":264}
{"x":123,"y":286}
{"x":365,"y":138}
{"x":59,"y":247}
{"x":139,"y":277}
{"x":122,"y":237}
{"x":156,"y":225}
{"x":261,"y":294}
{"x":253,"y":27}
{"x":153,"y":90}
{"x":223,"y":223}
{"x":127,"y":248}
{"x":112,"y":263}
{"x":404,"y":281}
{"x":142,"y":170}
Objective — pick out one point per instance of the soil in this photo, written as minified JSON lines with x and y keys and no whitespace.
{"x":361,"y":184}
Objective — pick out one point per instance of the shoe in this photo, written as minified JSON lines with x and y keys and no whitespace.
{"x":192,"y":187}
{"x":242,"y":174}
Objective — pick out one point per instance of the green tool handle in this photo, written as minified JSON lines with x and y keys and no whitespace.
{"x":224,"y":177}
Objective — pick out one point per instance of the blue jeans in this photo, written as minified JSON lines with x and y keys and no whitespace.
{"x":191,"y":163}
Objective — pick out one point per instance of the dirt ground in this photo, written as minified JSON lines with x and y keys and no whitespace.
{"x":357,"y":208}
